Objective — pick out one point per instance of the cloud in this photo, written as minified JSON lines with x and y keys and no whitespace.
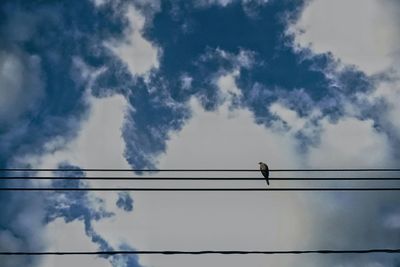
{"x":350,"y":142}
{"x":186,"y":81}
{"x":225,"y":3}
{"x":223,"y":138}
{"x":366,"y":35}
{"x":242,"y":59}
{"x":222,"y":130}
{"x":392,"y":221}
{"x":125,"y":201}
{"x":288,"y":116}
{"x":347,"y":220}
{"x":226,"y":137}
{"x":142,"y":228}
{"x":63,"y":236}
{"x":95,"y":145}
{"x":21,"y":226}
{"x":99,"y":3}
{"x":220,"y":133}
{"x":21,"y":85}
{"x":250,"y":7}
{"x":99,"y":142}
{"x":230,"y":138}
{"x":227,"y":84}
{"x":387,"y":92}
{"x":41,"y":90}
{"x":368,"y":41}
{"x":42,"y":100}
{"x":139,"y":54}
{"x":338,"y":143}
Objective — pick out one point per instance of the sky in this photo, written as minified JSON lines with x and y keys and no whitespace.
{"x":201,"y":84}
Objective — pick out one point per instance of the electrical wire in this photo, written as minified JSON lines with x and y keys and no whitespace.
{"x":203,"y":178}
{"x":201,"y":252}
{"x":195,"y":170}
{"x":265,"y":189}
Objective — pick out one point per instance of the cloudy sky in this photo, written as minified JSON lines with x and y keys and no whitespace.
{"x":199,"y":84}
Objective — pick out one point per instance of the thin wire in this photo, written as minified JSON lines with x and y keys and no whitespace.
{"x":196,"y":170}
{"x":202,"y":178}
{"x":200,"y":189}
{"x":200,"y":252}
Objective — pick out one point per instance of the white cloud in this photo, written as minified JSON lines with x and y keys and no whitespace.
{"x":290,"y":117}
{"x":227,"y":84}
{"x":197,"y":221}
{"x":186,"y":81}
{"x":364,"y":33}
{"x":99,"y":3}
{"x":350,"y":142}
{"x":98,"y":143}
{"x":225,"y":3}
{"x":342,"y":143}
{"x":367,"y":36}
{"x":389,"y":91}
{"x":21,"y":230}
{"x":20,"y":84}
{"x":230,"y":139}
{"x":139,"y":54}
{"x":225,"y":138}
{"x":62,"y":236}
{"x":243,"y":59}
{"x":226,"y":132}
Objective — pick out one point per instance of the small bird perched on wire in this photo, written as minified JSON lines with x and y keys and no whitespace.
{"x":264,"y":171}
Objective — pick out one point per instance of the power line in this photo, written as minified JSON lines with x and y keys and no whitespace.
{"x":200,"y":189}
{"x":201,"y":252}
{"x":197,"y":170}
{"x":203,"y":178}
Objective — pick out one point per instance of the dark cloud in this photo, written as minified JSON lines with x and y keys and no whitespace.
{"x":42,"y":97}
{"x":356,"y":221}
{"x":80,"y":206}
{"x":125,"y":201}
{"x":39,"y":100}
{"x":40,"y":41}
{"x":21,"y":226}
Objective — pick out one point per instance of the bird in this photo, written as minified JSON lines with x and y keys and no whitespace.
{"x":264,"y":171}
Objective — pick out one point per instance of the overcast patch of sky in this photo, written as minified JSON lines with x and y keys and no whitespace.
{"x":194,"y":42}
{"x":351,"y":41}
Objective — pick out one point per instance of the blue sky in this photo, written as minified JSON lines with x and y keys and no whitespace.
{"x":202,"y":84}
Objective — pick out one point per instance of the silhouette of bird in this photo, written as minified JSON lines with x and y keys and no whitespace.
{"x":264,"y":171}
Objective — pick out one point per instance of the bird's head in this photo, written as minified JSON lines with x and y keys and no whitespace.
{"x":260,"y":163}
